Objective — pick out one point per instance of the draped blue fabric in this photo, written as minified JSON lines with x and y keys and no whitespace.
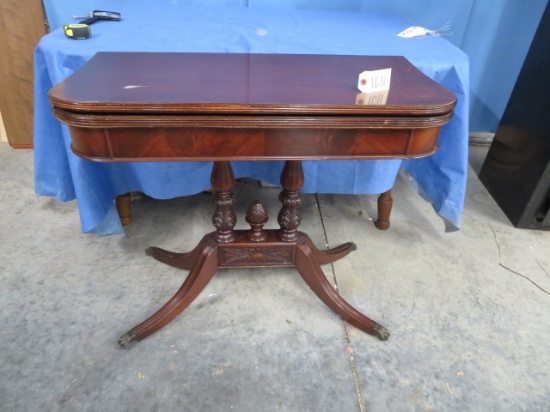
{"x":171,"y":26}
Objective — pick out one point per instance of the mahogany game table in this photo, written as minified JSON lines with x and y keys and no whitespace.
{"x":127,"y":107}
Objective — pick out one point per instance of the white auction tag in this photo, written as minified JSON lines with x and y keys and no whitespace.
{"x":374,"y":80}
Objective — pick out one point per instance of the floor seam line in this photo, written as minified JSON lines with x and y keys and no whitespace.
{"x":349,"y":348}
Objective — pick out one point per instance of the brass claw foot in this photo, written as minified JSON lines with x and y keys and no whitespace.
{"x":381,"y":332}
{"x":127,"y":339}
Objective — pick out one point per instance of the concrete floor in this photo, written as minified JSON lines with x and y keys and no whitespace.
{"x":468,"y":311}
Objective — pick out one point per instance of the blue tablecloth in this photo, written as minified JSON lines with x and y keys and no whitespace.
{"x":171,"y":26}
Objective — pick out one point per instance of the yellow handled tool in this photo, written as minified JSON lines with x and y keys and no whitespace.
{"x":77,"y":31}
{"x":82,"y":30}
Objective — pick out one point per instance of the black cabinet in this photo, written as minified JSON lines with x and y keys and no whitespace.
{"x":517,"y":169}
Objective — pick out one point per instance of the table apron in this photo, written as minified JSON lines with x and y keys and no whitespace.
{"x":216,"y":144}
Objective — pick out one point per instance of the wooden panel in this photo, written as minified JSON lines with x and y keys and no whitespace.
{"x":22,"y":24}
{"x":236,"y":83}
{"x":188,"y":144}
{"x":180,"y":106}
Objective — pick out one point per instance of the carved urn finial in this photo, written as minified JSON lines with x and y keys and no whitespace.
{"x":256,"y":217}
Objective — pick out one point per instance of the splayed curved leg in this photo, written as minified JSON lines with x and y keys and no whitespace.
{"x":201,"y":273}
{"x":175,"y":259}
{"x":322,"y":257}
{"x":312,"y":274}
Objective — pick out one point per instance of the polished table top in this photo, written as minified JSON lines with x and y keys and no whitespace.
{"x":255,"y":98}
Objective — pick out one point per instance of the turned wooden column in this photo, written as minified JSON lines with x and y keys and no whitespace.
{"x":289,"y":218}
{"x":224,"y":218}
{"x":385,"y":203}
{"x":124,"y":208}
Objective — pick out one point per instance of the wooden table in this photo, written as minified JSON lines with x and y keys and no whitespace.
{"x":123,"y":107}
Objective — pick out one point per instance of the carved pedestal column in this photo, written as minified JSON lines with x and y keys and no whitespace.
{"x":289,"y":218}
{"x":224,"y":218}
